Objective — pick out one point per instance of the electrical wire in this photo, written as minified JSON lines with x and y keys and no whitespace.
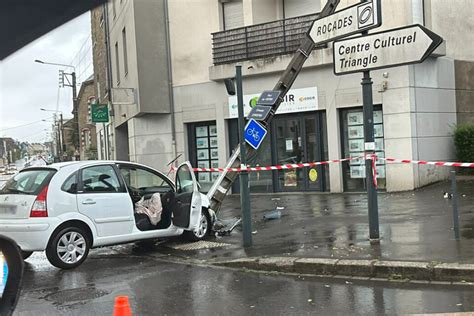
{"x":24,"y":125}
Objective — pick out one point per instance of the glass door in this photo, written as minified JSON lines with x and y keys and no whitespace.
{"x":313,"y":146}
{"x":289,"y":150}
{"x":297,"y":140}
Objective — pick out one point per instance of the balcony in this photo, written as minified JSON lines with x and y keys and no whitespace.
{"x":260,"y":40}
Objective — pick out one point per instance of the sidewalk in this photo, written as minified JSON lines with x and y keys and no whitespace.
{"x":414,"y":226}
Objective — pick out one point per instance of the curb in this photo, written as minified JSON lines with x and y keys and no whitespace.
{"x":394,"y":270}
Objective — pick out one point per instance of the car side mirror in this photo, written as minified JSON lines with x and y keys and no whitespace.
{"x":11,"y":274}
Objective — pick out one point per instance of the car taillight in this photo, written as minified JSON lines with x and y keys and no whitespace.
{"x":39,"y":208}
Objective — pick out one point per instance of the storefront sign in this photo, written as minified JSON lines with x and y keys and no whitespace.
{"x":99,"y":113}
{"x":296,"y":100}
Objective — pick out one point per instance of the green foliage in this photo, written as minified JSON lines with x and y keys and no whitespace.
{"x":464,"y":142}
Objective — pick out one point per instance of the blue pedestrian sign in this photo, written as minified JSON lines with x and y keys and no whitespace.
{"x":254,"y":133}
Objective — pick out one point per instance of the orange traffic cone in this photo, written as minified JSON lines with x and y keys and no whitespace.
{"x":122,"y":306}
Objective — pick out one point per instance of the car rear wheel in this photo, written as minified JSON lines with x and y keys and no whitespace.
{"x":202,"y":230}
{"x":26,"y":254}
{"x":68,"y":248}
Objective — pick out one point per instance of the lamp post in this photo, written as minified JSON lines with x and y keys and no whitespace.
{"x":59,"y":131}
{"x":70,"y":83}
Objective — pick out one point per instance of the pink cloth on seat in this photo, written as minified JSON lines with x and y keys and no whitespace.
{"x":151,"y":207}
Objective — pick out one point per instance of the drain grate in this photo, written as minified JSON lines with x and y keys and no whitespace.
{"x":197,"y":245}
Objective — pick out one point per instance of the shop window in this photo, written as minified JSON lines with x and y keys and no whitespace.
{"x":204,"y":151}
{"x":352,"y":124}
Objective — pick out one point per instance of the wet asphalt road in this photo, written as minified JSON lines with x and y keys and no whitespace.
{"x":156,"y":286}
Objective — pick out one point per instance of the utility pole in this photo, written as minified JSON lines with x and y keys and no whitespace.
{"x":75,"y":114}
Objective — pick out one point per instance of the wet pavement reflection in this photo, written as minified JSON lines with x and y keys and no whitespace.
{"x":157,"y":287}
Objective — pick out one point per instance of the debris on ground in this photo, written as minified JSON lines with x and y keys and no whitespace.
{"x":226,"y":226}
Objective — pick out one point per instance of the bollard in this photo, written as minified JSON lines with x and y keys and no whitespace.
{"x":454,"y":193}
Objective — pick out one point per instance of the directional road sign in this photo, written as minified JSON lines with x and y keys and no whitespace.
{"x":254,"y":133}
{"x":268,"y":97}
{"x":402,"y":46}
{"x":259,"y":112}
{"x":351,"y":20}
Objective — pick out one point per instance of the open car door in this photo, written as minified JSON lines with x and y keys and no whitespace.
{"x":187,"y":202}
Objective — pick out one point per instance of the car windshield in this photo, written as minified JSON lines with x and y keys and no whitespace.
{"x":28,"y":182}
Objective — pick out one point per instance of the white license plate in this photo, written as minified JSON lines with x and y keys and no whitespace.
{"x":8,"y":209}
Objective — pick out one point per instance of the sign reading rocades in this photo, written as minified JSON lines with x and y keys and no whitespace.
{"x":407,"y":45}
{"x":351,"y":20}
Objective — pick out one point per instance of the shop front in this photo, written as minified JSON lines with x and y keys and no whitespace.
{"x":297,"y":135}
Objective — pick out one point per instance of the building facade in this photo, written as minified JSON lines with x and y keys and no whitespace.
{"x":190,"y":47}
{"x":87,"y":135}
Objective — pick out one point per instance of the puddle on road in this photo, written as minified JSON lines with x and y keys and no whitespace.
{"x":73,"y":297}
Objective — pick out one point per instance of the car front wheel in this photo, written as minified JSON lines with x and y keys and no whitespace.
{"x":68,"y":248}
{"x":202,"y":230}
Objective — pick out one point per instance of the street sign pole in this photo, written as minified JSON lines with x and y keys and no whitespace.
{"x":244,"y":176}
{"x":370,"y":150}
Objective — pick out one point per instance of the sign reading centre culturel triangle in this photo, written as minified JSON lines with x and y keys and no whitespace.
{"x":402,"y":46}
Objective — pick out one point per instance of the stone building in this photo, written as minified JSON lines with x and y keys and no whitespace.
{"x":87,"y":136}
{"x":104,"y":132}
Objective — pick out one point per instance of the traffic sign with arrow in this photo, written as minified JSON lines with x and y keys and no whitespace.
{"x":402,"y":46}
{"x":360,"y":17}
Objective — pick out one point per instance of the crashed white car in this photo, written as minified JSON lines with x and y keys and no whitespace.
{"x":68,"y":208}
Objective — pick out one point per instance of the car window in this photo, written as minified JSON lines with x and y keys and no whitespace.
{"x":144,"y":180}
{"x":70,"y":185}
{"x":100,"y":179}
{"x":184,"y":180}
{"x":28,"y":182}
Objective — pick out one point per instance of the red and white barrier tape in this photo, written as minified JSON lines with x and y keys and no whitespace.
{"x":433,"y":163}
{"x":374,"y":159}
{"x":277,"y":167}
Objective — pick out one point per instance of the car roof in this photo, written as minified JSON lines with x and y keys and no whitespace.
{"x":85,"y":163}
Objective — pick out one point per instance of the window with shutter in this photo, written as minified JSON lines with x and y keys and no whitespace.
{"x":301,"y":7}
{"x":233,"y":14}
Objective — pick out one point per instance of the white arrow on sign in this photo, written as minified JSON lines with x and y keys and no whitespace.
{"x":351,"y":20}
{"x":407,"y":45}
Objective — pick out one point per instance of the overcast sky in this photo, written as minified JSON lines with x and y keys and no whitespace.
{"x":26,"y":86}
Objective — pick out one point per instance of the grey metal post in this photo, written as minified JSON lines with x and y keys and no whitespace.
{"x":454,"y":192}
{"x":244,"y":176}
{"x":374,"y":234}
{"x":75,"y":112}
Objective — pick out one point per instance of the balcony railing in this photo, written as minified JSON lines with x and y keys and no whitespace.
{"x":260,"y":40}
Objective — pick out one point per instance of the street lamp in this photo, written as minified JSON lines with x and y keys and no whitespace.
{"x":60,"y":130}
{"x":72,"y":84}
{"x":54,"y":64}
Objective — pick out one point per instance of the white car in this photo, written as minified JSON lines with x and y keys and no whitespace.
{"x":68,"y":208}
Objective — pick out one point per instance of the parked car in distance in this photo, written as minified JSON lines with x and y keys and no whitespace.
{"x":3,"y":169}
{"x":68,"y":208}
{"x":11,"y":169}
